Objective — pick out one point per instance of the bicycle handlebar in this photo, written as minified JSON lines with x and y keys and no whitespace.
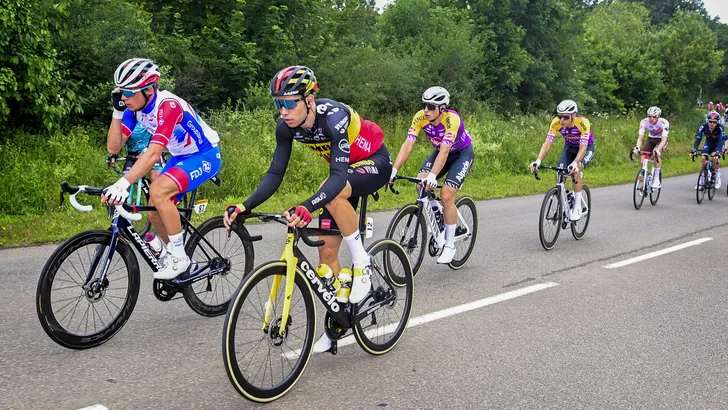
{"x":717,"y":154}
{"x":631,"y":154}
{"x":75,"y":190}
{"x":282,"y":220}
{"x":560,"y":170}
{"x":406,"y":178}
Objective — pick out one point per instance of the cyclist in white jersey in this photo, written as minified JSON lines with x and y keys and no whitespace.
{"x":657,"y":129}
{"x":192,"y":144}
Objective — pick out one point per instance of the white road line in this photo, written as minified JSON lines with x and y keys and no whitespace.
{"x":95,"y":407}
{"x":441,"y":314}
{"x":657,"y":253}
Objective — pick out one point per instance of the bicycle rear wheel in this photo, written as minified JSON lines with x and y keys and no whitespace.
{"x":467,"y":225}
{"x":550,"y":219}
{"x":210,"y":296}
{"x":390,"y":303}
{"x":638,"y":193}
{"x":701,"y":187}
{"x":578,"y":228}
{"x":262,"y":365}
{"x":71,"y":309}
{"x":402,"y":229}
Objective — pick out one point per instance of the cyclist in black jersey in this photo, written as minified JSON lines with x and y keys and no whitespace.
{"x":359,"y":164}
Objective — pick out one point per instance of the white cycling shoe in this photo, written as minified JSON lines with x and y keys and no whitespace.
{"x":174,"y":266}
{"x":323,"y":344}
{"x":718,"y":183}
{"x":656,"y":184}
{"x":448,"y":253}
{"x":575,"y":214}
{"x":361,"y":284}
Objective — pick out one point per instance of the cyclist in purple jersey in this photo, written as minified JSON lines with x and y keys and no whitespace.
{"x":453,"y":155}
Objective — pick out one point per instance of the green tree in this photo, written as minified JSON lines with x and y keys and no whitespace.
{"x":686,"y":48}
{"x":30,"y":79}
{"x":662,"y":11}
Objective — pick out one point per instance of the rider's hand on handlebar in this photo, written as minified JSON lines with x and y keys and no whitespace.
{"x":394,"y":174}
{"x":534,"y":165}
{"x":573,"y":168}
{"x":636,"y":149}
{"x":430,"y":181}
{"x":116,"y":194}
{"x":231,"y":212}
{"x":111,"y":160}
{"x":298,"y":217}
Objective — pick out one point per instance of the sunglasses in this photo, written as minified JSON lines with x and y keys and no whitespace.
{"x":287,"y":104}
{"x":712,"y":122}
{"x":131,"y":93}
{"x":652,"y":116}
{"x":431,"y":107}
{"x":564,"y":117}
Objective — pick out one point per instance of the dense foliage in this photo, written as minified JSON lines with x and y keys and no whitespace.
{"x":57,"y":56}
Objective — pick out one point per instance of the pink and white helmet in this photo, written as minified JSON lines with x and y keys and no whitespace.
{"x":136,"y":73}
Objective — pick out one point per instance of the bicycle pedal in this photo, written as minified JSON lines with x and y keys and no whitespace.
{"x":334,"y":349}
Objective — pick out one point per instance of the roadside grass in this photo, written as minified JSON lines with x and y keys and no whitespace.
{"x":32,"y":166}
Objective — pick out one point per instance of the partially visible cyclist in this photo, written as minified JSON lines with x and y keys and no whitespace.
{"x":658,"y":129}
{"x":174,"y":124}
{"x":711,"y":108}
{"x":359,"y":165}
{"x":453,"y":155}
{"x":715,"y":142}
{"x":578,"y":148}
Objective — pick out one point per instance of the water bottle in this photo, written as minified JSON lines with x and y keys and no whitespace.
{"x":649,"y":180}
{"x":438,"y":214}
{"x":326,"y":275}
{"x":154,"y":243}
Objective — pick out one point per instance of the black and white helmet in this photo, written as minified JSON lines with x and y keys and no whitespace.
{"x":136,"y":73}
{"x":567,"y":107}
{"x":654,"y":111}
{"x":436,"y":95}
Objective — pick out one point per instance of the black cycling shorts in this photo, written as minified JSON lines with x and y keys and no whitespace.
{"x":568,"y":155}
{"x":365,"y":178}
{"x":456,"y":166}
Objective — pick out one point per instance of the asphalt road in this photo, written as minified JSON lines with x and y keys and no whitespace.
{"x":650,"y":334}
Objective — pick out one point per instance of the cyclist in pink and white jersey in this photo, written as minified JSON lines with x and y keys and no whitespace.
{"x":657,"y":129}
{"x":195,"y":157}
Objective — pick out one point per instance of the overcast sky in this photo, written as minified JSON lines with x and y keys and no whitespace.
{"x":714,"y":7}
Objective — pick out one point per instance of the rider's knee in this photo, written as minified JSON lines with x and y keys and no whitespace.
{"x":447,"y":193}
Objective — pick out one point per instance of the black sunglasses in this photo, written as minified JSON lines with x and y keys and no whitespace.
{"x":712,"y":122}
{"x":564,"y":117}
{"x":431,"y":107}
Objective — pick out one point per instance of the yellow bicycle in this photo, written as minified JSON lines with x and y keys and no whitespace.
{"x":270,"y":324}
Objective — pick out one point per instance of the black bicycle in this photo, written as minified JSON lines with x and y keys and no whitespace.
{"x":412,"y":224}
{"x":269,"y":329}
{"x":556,"y":210}
{"x":89,"y":286}
{"x":706,"y":177}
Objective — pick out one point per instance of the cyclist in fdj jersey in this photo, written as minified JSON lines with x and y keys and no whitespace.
{"x":658,"y":129}
{"x":453,"y":155}
{"x":578,"y":149}
{"x":195,"y":158}
{"x":715,"y":142}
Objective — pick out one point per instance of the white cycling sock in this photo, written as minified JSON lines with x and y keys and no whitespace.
{"x":177,"y":245}
{"x":359,"y":256}
{"x":577,"y":198}
{"x":450,"y":235}
{"x":655,"y":173}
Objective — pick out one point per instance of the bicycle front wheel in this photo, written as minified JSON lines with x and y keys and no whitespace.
{"x":638,"y":193}
{"x":702,"y":185}
{"x":261,"y":363}
{"x":210,"y":296}
{"x":409,"y":230}
{"x":550,"y":219}
{"x":466,"y":231}
{"x":74,"y":309}
{"x":655,"y":193}
{"x":711,"y":186}
{"x":389,"y":305}
{"x":578,"y":228}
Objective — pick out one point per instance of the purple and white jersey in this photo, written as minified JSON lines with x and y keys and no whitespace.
{"x":659,"y":130}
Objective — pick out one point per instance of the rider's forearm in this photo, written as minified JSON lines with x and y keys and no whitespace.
{"x":145,"y":163}
{"x":639,"y":142}
{"x":114,"y":138}
{"x":404,"y":152}
{"x":441,"y":158}
{"x":662,"y":144}
{"x":544,"y":150}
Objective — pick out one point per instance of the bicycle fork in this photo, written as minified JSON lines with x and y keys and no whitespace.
{"x":291,"y":263}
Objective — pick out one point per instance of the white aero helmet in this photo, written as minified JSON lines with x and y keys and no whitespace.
{"x":566,"y":107}
{"x":436,"y":95}
{"x":136,"y":73}
{"x":654,"y":111}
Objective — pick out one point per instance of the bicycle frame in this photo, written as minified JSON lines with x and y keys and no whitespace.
{"x":561,"y":174}
{"x":424,"y":197}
